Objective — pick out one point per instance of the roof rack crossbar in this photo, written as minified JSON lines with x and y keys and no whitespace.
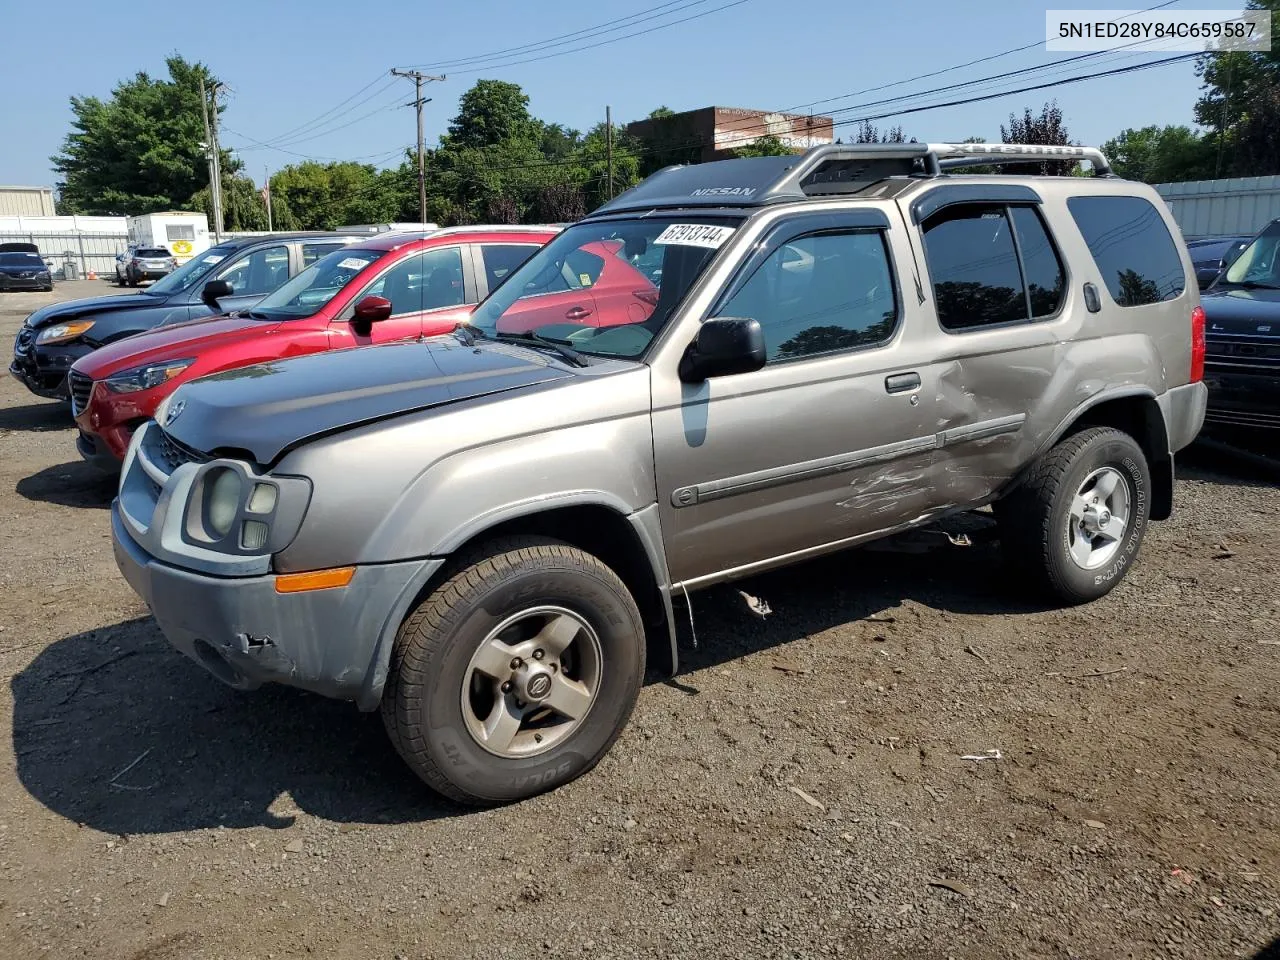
{"x":951,"y":156}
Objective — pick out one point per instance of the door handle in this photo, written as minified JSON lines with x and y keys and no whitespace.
{"x":902,"y":382}
{"x":577,"y":313}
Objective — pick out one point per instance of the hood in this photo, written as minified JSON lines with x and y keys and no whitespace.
{"x":35,"y":266}
{"x":1235,"y":310}
{"x":267,"y":409}
{"x":58,"y":312}
{"x":176,"y":342}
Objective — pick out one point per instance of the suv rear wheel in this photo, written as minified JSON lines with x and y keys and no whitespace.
{"x":515,"y":675}
{"x":1075,"y":526}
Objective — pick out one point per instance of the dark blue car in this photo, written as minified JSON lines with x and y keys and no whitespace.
{"x":1242,"y":337}
{"x":24,"y":271}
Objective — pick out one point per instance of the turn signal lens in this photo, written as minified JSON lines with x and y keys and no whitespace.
{"x":253,"y":534}
{"x":314,"y":580}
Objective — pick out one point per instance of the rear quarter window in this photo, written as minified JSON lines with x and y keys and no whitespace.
{"x":1132,"y":247}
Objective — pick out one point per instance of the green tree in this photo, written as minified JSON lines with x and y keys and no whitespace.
{"x":768,"y":146}
{"x":1240,"y":106}
{"x":1046,"y":127}
{"x":243,"y":207}
{"x":868,"y":132}
{"x":492,"y":112}
{"x":323,"y":196}
{"x":139,"y":150}
{"x":1161,"y":154}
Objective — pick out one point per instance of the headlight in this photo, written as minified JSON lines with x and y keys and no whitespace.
{"x":144,"y":378}
{"x":62,"y":332}
{"x":232,"y":510}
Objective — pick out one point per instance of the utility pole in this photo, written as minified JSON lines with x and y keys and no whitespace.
{"x":217,"y":161}
{"x":265,"y":170}
{"x":608,"y":145}
{"x":211,"y":152}
{"x":418,"y":80}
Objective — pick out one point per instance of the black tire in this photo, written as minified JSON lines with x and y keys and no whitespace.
{"x":1034,"y":518}
{"x":422,"y":704}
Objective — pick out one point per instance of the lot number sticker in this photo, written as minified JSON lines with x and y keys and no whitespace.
{"x":351,"y":263}
{"x":695,"y":235}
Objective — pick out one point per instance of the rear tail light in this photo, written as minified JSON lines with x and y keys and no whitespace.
{"x":648,"y":296}
{"x":1197,"y":344}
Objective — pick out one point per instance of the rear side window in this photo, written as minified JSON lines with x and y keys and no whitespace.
{"x":973,"y":262}
{"x":1131,"y":246}
{"x":502,"y":258}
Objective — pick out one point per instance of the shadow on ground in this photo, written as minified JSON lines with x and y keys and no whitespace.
{"x":70,"y":485}
{"x":91,"y":705}
{"x":37,"y":417}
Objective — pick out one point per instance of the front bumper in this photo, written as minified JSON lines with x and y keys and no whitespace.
{"x":1243,"y":398}
{"x":25,"y":283}
{"x":43,"y":369}
{"x":334,"y":642}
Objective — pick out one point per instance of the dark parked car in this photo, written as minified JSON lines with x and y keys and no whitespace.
{"x":1242,"y":337}
{"x":24,"y":271}
{"x":56,"y":336}
{"x":149,"y":263}
{"x":1211,"y":255}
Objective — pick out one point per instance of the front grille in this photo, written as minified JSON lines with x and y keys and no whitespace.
{"x":80,"y":387}
{"x":175,"y":454}
{"x":1243,"y":349}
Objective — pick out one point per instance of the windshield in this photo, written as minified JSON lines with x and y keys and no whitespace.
{"x":315,"y":286}
{"x":151,"y":252}
{"x":1257,"y":264}
{"x":608,"y":287}
{"x":21,"y":260}
{"x":191,"y":272}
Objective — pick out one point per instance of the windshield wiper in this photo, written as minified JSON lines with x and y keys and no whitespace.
{"x":254,"y":315}
{"x":532,"y":337}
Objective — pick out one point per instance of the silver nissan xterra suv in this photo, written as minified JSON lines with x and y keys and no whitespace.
{"x":484,"y":533}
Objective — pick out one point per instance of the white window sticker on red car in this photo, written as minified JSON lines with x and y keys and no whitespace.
{"x":695,"y":235}
{"x":352,"y":263}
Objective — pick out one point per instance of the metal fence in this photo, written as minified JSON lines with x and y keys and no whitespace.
{"x":1205,"y":208}
{"x":86,"y":252}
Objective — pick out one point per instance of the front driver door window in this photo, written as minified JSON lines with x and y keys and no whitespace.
{"x":403,"y":285}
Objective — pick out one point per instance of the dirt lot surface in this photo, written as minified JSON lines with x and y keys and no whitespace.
{"x":800,"y":790}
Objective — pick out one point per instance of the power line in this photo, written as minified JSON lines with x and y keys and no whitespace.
{"x":603,"y":43}
{"x":642,"y":16}
{"x":959,"y":66}
{"x":316,"y":119}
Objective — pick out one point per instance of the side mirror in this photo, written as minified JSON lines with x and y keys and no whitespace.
{"x":214,"y":291}
{"x":724,"y":346}
{"x":372,"y":310}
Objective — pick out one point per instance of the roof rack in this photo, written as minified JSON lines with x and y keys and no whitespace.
{"x":954,"y":155}
{"x":826,"y":171}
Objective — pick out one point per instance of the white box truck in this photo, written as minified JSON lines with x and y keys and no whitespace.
{"x":182,"y":233}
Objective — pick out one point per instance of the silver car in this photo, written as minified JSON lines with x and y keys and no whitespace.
{"x":485,"y":534}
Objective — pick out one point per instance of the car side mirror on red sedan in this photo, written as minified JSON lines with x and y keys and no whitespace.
{"x":372,"y":310}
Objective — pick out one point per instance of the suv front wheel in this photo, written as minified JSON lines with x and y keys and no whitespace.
{"x":1075,"y":526}
{"x":516,"y":674}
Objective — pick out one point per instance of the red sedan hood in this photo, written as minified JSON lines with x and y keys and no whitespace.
{"x":177,"y":342}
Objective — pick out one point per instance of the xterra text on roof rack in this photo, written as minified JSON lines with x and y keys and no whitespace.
{"x":478,"y":532}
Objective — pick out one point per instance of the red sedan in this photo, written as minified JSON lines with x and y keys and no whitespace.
{"x":393,"y":287}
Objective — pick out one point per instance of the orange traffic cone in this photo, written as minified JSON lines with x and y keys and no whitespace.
{"x":92,"y":275}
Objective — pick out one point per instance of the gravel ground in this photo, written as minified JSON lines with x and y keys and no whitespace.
{"x":800,"y":790}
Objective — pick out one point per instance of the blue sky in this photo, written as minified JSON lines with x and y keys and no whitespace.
{"x":288,"y":61}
